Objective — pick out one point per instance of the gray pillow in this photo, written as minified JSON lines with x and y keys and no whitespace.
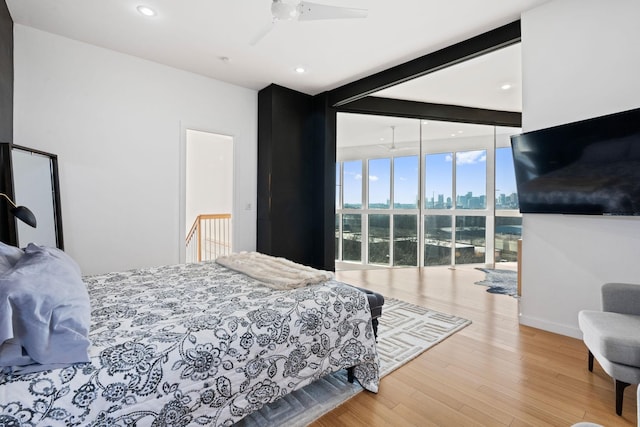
{"x":44,"y":312}
{"x":9,"y":255}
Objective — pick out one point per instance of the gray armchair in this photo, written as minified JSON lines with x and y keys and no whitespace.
{"x":612,"y":335}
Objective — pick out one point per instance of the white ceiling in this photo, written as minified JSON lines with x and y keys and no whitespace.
{"x":368,"y":136}
{"x":474,"y":83}
{"x":194,"y":35}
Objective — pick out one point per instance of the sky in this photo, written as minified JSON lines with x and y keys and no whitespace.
{"x":470,"y":170}
{"x":505,"y":174}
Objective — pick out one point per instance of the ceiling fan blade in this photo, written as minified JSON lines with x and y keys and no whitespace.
{"x":388,"y":147}
{"x":263,"y":32}
{"x":313,"y":11}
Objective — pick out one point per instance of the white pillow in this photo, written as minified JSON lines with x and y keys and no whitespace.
{"x":9,"y":255}
{"x":44,"y":312}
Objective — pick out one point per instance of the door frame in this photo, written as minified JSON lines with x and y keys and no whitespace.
{"x":182,"y":185}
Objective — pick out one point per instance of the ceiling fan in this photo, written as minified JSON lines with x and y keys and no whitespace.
{"x":393,"y":146}
{"x":300,"y":10}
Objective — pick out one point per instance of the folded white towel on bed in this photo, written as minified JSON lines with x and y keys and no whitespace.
{"x":276,"y":273}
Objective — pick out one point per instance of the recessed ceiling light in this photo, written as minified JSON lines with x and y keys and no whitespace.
{"x":300,"y":70}
{"x":146,"y":11}
{"x":506,"y":86}
{"x":460,"y":131}
{"x":424,"y":122}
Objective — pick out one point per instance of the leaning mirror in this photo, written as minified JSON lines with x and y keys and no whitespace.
{"x":30,"y":178}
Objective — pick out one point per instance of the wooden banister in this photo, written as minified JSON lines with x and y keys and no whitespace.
{"x":221,"y":234}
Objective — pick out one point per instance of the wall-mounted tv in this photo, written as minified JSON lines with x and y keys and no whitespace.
{"x":590,"y":167}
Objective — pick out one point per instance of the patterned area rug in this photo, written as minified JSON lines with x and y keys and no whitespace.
{"x":405,"y":331}
{"x":500,"y":281}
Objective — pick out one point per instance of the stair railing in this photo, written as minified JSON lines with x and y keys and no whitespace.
{"x":209,"y":237}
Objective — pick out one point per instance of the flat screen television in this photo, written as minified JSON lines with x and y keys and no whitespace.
{"x":590,"y":167}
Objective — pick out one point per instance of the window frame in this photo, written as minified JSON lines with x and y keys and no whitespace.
{"x":489,"y":212}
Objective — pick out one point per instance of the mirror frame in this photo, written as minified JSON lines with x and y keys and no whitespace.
{"x":8,"y":229}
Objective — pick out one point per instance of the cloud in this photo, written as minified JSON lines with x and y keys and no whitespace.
{"x":373,"y":178}
{"x":471,"y":157}
{"x":448,"y":158}
{"x":357,"y":177}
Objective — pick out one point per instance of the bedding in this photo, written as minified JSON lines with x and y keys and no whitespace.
{"x":44,"y":312}
{"x":196,"y":344}
{"x":274,"y":272}
{"x":9,"y":255}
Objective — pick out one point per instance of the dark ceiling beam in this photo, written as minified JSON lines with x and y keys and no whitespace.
{"x":459,"y":52}
{"x":424,"y":110}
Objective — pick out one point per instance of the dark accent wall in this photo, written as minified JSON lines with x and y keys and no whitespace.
{"x":7,"y":224}
{"x":7,"y":221}
{"x":6,"y":74}
{"x":324,"y":140}
{"x":291,"y":176}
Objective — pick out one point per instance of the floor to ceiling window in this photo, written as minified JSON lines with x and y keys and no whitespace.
{"x":508,"y":221}
{"x":421,"y":193}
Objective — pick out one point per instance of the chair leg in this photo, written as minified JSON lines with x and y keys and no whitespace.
{"x":620,"y":386}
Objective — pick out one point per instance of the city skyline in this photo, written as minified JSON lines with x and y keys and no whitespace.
{"x":471,"y":173}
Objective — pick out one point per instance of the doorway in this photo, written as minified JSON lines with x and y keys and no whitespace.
{"x":208,"y":195}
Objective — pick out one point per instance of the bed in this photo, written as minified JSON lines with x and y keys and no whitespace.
{"x":195,"y":344}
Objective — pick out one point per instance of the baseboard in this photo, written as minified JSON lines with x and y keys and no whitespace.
{"x":556,"y":328}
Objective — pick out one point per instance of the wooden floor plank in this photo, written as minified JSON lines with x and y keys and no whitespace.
{"x":494,"y":372}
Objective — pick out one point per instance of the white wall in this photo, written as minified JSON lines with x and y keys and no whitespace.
{"x":116,"y":124}
{"x":209,"y":175}
{"x":580,"y":60}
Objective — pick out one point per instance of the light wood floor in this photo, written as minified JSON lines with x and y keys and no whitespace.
{"x":494,"y":372}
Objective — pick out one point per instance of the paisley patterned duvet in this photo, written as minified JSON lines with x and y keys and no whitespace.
{"x":196,"y":344}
